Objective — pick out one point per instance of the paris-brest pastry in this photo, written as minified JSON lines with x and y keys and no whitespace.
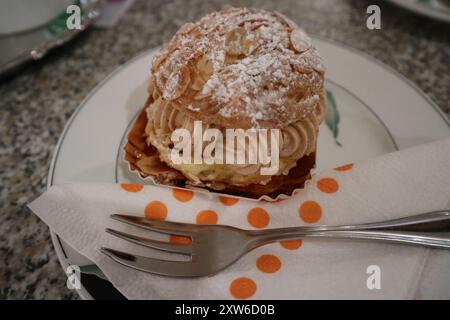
{"x":235,"y":69}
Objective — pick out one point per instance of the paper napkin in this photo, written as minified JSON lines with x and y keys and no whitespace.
{"x":395,"y":185}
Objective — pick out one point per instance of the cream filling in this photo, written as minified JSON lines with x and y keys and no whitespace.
{"x":296,"y":140}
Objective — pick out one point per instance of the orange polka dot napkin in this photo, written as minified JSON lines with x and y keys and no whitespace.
{"x":403,"y":183}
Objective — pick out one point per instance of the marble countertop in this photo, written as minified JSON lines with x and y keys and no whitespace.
{"x":37,"y":101}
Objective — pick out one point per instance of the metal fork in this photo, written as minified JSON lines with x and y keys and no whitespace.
{"x":215,"y":247}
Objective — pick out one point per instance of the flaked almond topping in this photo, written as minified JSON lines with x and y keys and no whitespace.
{"x":197,"y":83}
{"x":202,"y":95}
{"x":230,"y":59}
{"x":205,"y":67}
{"x":314,"y":60}
{"x":300,"y":40}
{"x":235,"y":42}
{"x":177,"y":83}
{"x":261,"y":58}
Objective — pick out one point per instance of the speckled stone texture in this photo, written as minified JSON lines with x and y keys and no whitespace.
{"x":37,"y":101}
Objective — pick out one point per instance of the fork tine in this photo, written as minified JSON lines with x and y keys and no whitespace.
{"x":159,"y":245}
{"x":183,"y":229}
{"x":156,"y":266}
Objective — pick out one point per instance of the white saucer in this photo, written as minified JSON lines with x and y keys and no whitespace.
{"x":379,"y":111}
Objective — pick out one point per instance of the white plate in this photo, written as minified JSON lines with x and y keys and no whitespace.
{"x":435,"y":9}
{"x":380,"y":111}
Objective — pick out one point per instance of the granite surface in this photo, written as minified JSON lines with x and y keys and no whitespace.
{"x":37,"y":101}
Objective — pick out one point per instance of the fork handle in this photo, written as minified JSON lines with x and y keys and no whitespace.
{"x":429,"y":230}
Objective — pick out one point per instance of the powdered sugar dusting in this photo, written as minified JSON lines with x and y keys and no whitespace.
{"x":262,"y":68}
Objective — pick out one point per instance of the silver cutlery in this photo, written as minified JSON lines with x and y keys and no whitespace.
{"x":215,"y":247}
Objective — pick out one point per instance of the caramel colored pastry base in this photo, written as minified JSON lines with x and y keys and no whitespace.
{"x":145,"y":160}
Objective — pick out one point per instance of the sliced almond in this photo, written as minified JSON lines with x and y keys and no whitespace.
{"x":246,"y":46}
{"x":314,"y":60}
{"x":202,"y":95}
{"x":302,"y":67}
{"x":234,"y":41}
{"x":205,"y":67}
{"x":230,"y":59}
{"x":300,"y":40}
{"x":160,"y":57}
{"x":177,"y":83}
{"x":198,"y":83}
